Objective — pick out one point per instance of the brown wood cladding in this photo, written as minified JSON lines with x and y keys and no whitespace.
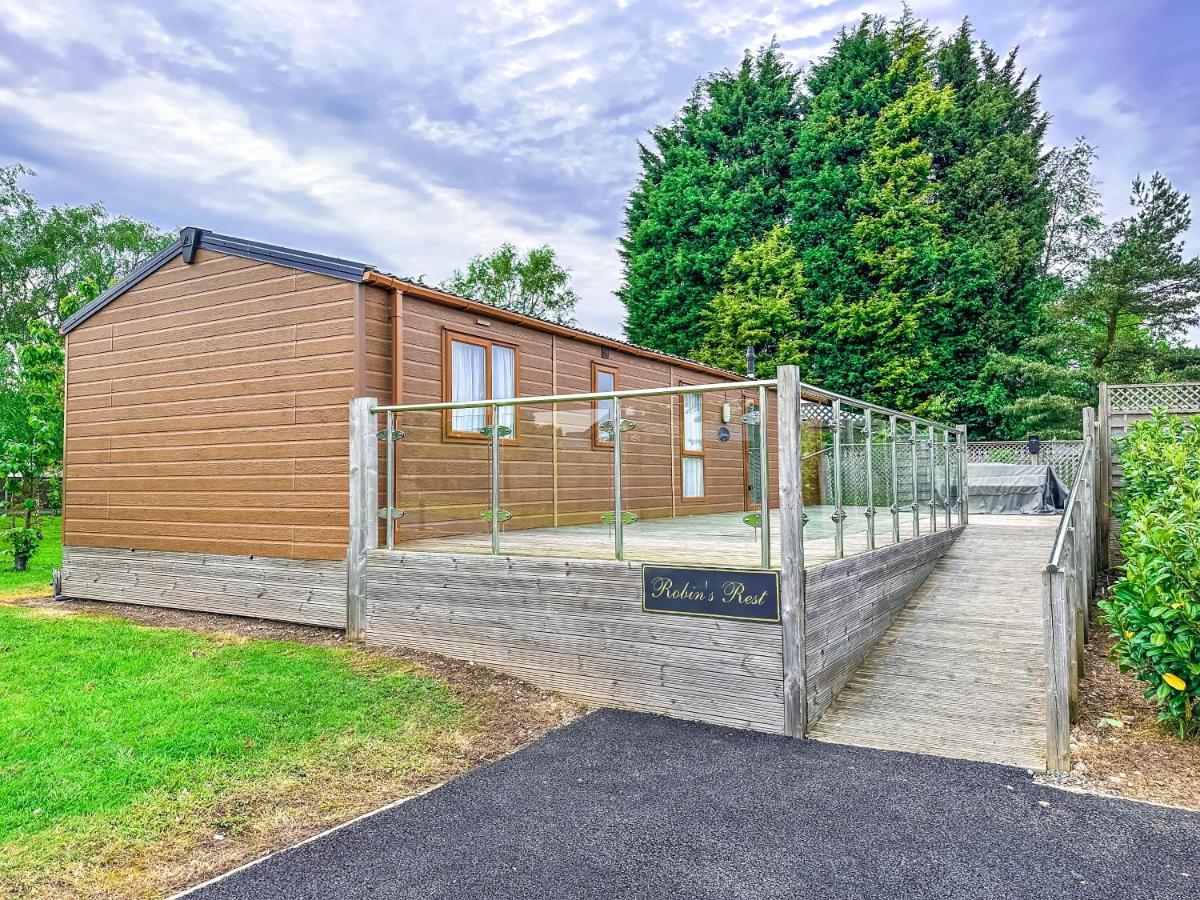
{"x":554,"y":474}
{"x":206,"y":411}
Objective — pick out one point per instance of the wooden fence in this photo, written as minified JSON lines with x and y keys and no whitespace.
{"x":1069,"y":582}
{"x":1120,"y":406}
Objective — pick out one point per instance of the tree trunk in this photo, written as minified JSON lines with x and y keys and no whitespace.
{"x":1110,"y":338}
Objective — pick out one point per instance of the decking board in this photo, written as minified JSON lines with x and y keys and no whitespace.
{"x":961,"y":672}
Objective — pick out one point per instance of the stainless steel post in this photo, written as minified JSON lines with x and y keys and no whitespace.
{"x":964,"y":514}
{"x":838,"y":515}
{"x":912,"y":458}
{"x":496,"y":480}
{"x":618,"y":515}
{"x":932,"y":478}
{"x":946,"y":457}
{"x":391,"y":477}
{"x":892,"y":435}
{"x":764,"y":478}
{"x":868,"y":460}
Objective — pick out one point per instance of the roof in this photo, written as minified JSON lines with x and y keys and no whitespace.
{"x":192,"y":239}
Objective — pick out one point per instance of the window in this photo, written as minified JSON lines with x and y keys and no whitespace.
{"x":603,"y":379}
{"x":478,"y":369}
{"x":692,"y":446}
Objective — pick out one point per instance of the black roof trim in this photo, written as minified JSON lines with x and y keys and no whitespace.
{"x":330,"y":266}
{"x":149,"y":267}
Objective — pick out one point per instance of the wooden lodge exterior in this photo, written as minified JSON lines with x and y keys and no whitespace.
{"x":207,"y":426}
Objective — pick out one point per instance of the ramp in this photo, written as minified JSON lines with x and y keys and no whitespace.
{"x":961,"y":673}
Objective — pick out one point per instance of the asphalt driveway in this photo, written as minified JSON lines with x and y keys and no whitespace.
{"x":620,"y":805}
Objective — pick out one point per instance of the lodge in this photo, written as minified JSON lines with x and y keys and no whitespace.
{"x":261,"y":431}
{"x":206,"y":425}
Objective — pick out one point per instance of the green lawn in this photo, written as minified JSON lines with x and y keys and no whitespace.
{"x":35,"y":579}
{"x":116,"y":737}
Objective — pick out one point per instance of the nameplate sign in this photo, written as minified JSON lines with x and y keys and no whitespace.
{"x":748,"y":595}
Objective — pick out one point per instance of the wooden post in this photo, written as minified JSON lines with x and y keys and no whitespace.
{"x":1104,"y":463}
{"x":1097,"y":505}
{"x":791,"y":536}
{"x":1056,"y":635}
{"x":364,"y":510}
{"x":1070,"y":581}
{"x":1079,"y":579}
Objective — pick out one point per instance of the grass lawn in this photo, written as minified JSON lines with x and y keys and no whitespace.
{"x":35,"y":579}
{"x":122,"y":744}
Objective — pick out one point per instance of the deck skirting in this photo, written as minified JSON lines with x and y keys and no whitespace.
{"x":308,"y":592}
{"x":577,"y":626}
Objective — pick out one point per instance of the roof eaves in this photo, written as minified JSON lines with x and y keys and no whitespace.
{"x":330,"y":266}
{"x":582,"y":332}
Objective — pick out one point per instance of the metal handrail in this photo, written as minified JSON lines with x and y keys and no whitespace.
{"x":545,"y":399}
{"x":1072,"y":441}
{"x":807,"y":391}
{"x":1064,"y":525}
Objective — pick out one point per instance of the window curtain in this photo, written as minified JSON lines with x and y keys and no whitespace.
{"x":693,"y":442}
{"x":693,"y":427}
{"x":504,"y":385}
{"x":468,"y":381}
{"x":693,"y":476}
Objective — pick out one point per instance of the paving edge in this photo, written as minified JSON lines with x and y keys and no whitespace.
{"x":254,"y":862}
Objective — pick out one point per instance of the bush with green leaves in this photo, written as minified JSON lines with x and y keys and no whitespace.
{"x":26,"y":464}
{"x":1154,"y":609}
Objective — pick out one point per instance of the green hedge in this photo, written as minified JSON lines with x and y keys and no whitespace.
{"x":1154,"y":609}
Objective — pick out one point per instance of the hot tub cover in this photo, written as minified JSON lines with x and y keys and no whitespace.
{"x":1007,"y":489}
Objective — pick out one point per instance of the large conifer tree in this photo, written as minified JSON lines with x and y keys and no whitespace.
{"x":906,"y":171}
{"x":996,"y":207}
{"x":712,"y":183}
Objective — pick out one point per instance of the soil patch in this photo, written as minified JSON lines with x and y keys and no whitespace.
{"x":1118,"y":747}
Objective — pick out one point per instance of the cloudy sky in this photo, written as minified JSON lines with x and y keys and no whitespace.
{"x":414,"y":135}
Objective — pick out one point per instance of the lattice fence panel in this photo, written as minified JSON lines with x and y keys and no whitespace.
{"x":1138,"y":398}
{"x":854,"y":474}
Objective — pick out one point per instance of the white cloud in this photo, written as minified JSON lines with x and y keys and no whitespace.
{"x":424,"y":133}
{"x":231,"y":166}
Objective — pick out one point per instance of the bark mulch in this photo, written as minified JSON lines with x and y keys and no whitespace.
{"x":1118,"y":746}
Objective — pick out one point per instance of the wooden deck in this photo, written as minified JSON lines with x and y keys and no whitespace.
{"x":961,"y":672}
{"x":712,"y":539}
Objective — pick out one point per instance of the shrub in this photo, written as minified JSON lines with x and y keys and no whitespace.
{"x":23,"y":543}
{"x":1154,"y":609}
